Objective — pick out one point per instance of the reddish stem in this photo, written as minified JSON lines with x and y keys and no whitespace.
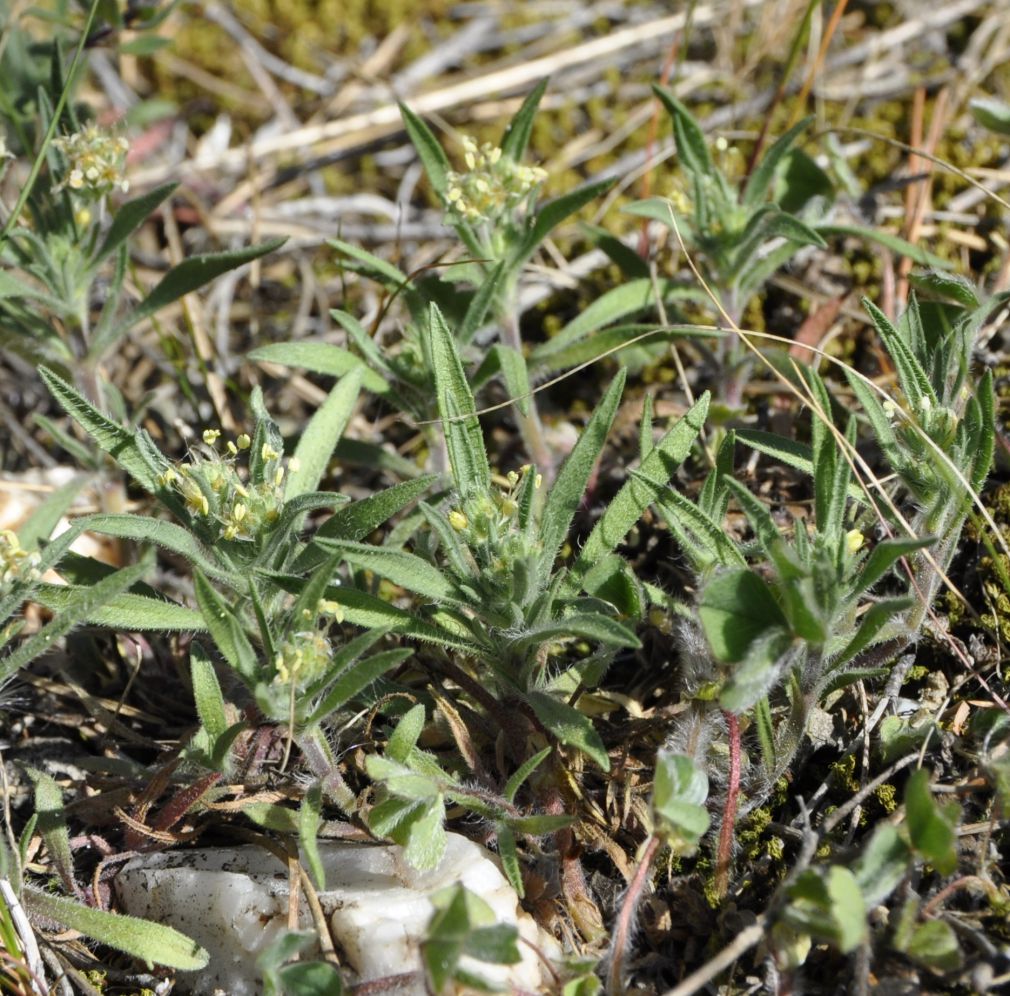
{"x":625,"y":920}
{"x":725,"y":854}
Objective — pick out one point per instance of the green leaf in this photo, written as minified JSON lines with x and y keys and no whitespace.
{"x":827,"y":904}
{"x":948,"y":285}
{"x":706,"y":542}
{"x":353,"y":679}
{"x":317,"y":442}
{"x":691,"y":146}
{"x":321,"y":358}
{"x":167,"y":535}
{"x":152,"y":943}
{"x":129,"y":218}
{"x":634,"y":497}
{"x":311,"y":978}
{"x":523,"y":772}
{"x":760,"y":180}
{"x":679,"y":794}
{"x":883,"y":557}
{"x":539,"y":824}
{"x":111,"y":437}
{"x":931,"y":827}
{"x":517,"y":135}
{"x":564,"y":497}
{"x":80,"y":606}
{"x":481,"y":304}
{"x":873,"y":621}
{"x":630,"y":298}
{"x":357,"y":520}
{"x":362,"y":261}
{"x":914,"y":380}
{"x":759,"y":671}
{"x":431,"y":153}
{"x":509,"y":857}
{"x":456,"y":407}
{"x":225,"y":628}
{"x":736,"y":608}
{"x":892,"y":242}
{"x":45,"y":517}
{"x":401,"y":568}
{"x":991,"y":113}
{"x":556,"y":211}
{"x":52,"y":824}
{"x":193,"y":273}
{"x":571,"y":727}
{"x":404,"y":738}
{"x":932,"y":943}
{"x":126,"y":611}
{"x":310,"y":819}
{"x":597,"y":628}
{"x":882,"y":865}
{"x":425,"y":840}
{"x":207,"y":693}
{"x":517,"y":378}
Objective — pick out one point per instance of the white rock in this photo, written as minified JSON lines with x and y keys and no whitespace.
{"x":234,"y":902}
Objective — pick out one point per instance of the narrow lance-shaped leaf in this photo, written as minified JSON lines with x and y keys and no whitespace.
{"x":761,"y":178}
{"x":556,"y":211}
{"x":129,"y":217}
{"x":566,"y":494}
{"x":193,"y":273}
{"x":354,"y":679}
{"x":152,"y":943}
{"x":628,"y":504}
{"x":456,"y":407}
{"x":431,"y":153}
{"x":111,"y":437}
{"x":571,"y":727}
{"x":691,"y":146}
{"x":357,"y":520}
{"x":319,"y":357}
{"x":517,"y":134}
{"x":126,"y":611}
{"x":317,"y":442}
{"x":401,"y":568}
{"x":207,"y":693}
{"x":225,"y":628}
{"x":84,"y":603}
{"x":481,"y":304}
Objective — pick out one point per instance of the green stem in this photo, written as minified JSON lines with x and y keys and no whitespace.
{"x":40,"y":156}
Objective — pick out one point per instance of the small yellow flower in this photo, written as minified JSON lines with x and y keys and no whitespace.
{"x":211,"y":436}
{"x":854,"y":541}
{"x":243,"y":442}
{"x":458,"y":520}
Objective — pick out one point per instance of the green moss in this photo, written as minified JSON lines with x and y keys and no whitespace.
{"x":845,"y":773}
{"x":887,"y":796}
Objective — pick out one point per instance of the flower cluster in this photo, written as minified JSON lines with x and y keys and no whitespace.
{"x":96,"y":162}
{"x":489,"y":524}
{"x":306,"y":654}
{"x":217,"y":491}
{"x":17,"y":565}
{"x":494,"y":186}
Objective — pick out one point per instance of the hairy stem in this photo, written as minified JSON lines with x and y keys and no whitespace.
{"x":625,"y":919}
{"x":724,"y":855}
